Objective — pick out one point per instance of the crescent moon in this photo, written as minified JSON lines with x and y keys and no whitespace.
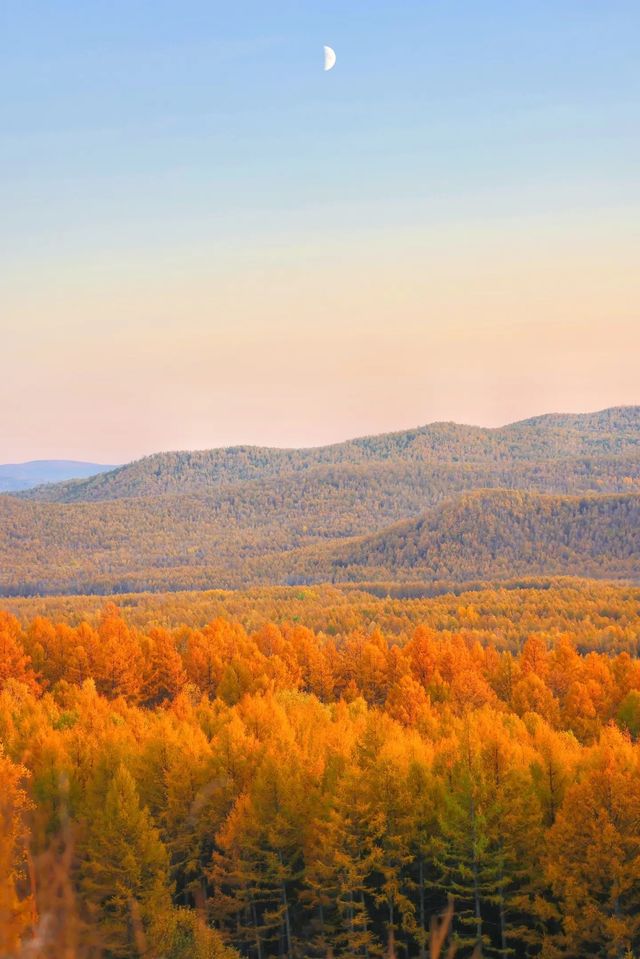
{"x":329,"y":58}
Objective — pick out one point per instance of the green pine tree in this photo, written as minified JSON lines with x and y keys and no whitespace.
{"x":124,"y":870}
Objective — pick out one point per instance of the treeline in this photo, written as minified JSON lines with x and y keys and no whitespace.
{"x":291,"y":793}
{"x":598,"y":617}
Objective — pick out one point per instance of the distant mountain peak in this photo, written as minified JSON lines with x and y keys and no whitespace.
{"x":16,"y":477}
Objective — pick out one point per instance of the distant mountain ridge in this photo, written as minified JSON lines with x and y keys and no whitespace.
{"x":612,"y":432}
{"x":553,"y":495}
{"x":15,"y":477}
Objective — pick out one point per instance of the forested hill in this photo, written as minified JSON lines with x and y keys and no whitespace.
{"x":165,"y":543}
{"x":589,"y":444}
{"x":492,"y":535}
{"x":547,"y":496}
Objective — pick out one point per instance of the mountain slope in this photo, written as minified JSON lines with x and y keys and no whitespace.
{"x":588,"y":437}
{"x":168,"y":543}
{"x":22,"y":476}
{"x":493,"y":534}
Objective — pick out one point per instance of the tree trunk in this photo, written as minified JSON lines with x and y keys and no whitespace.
{"x":287,"y":921}
{"x":364,"y":922}
{"x":503,"y":927}
{"x":476,"y":885}
{"x":391,"y":939}
{"x":423,"y":931}
{"x":256,"y":931}
{"x":503,"y":919}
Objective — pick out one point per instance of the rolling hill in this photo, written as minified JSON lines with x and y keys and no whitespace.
{"x":554,"y":495}
{"x":164,"y":543}
{"x":585,"y":439}
{"x":492,"y":535}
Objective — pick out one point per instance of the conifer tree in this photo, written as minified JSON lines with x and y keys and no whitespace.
{"x":117,"y":658}
{"x":472,"y":855}
{"x":593,"y":860}
{"x":14,"y":662}
{"x":124,"y":869}
{"x":164,"y":674}
{"x":16,"y":902}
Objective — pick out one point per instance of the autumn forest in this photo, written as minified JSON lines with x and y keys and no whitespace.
{"x":322,"y":772}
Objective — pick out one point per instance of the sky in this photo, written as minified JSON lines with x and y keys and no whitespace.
{"x":206,"y":240}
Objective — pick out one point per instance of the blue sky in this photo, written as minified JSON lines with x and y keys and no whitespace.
{"x":144,"y":111}
{"x":140,"y":140}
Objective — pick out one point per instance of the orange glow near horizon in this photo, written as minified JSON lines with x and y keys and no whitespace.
{"x":317,"y":341}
